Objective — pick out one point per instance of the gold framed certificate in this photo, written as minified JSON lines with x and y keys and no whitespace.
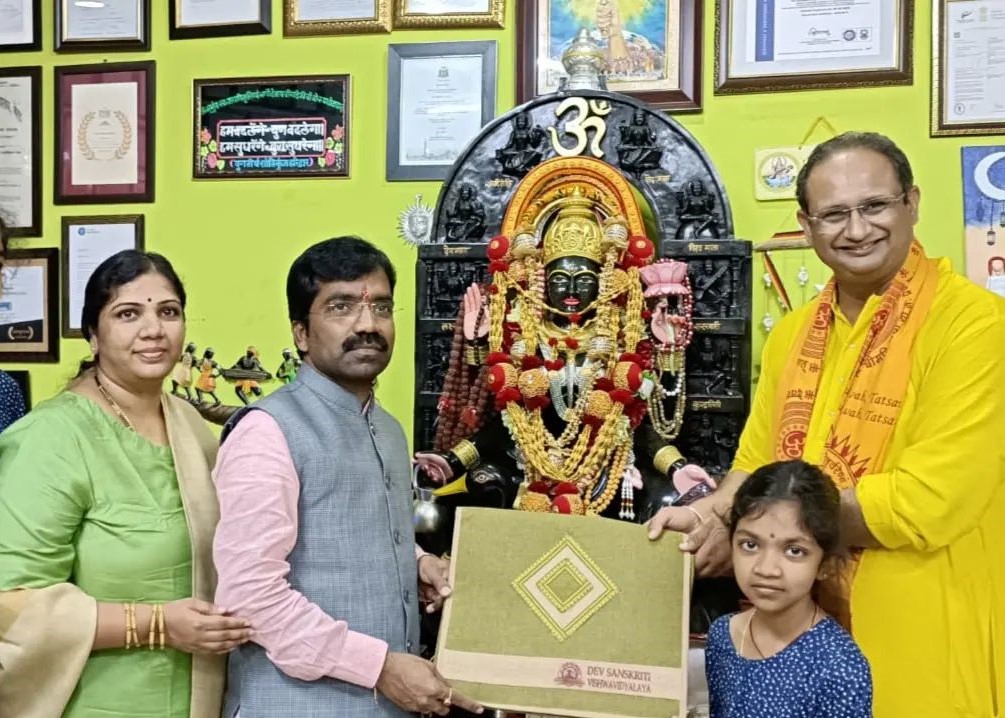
{"x":576,"y":616}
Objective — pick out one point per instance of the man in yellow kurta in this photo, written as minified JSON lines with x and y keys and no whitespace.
{"x":893,"y":380}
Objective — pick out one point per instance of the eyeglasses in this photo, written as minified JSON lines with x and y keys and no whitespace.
{"x":836,"y":218}
{"x":343,"y":309}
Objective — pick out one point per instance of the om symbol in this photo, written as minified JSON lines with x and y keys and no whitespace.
{"x":588,"y":116}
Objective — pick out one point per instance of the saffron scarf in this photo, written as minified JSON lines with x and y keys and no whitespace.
{"x":860,"y":433}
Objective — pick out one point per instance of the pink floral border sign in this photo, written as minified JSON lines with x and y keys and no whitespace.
{"x":272,"y":127}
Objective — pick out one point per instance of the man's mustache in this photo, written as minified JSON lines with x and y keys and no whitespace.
{"x":370,"y":340}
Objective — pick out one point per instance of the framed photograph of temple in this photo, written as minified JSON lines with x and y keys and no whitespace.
{"x":771,"y":46}
{"x":271,"y":127}
{"x":448,"y":14}
{"x":652,"y":48}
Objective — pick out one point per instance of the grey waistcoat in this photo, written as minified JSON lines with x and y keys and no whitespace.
{"x":355,"y":550}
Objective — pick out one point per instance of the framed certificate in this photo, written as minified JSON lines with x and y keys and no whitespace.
{"x":21,"y":150}
{"x":20,"y":25}
{"x":779,"y":45}
{"x":439,"y":95}
{"x":449,"y":13}
{"x":219,"y":18}
{"x":87,"y":242}
{"x":106,"y":25}
{"x":653,"y":51}
{"x":29,"y":306}
{"x":968,"y":94}
{"x":104,"y":133}
{"x":272,"y":127}
{"x":336,"y":17}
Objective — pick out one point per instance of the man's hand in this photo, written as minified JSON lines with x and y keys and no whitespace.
{"x":707,"y":536}
{"x":413,"y":684}
{"x":433,"y":584}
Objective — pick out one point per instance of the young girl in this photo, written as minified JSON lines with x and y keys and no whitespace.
{"x":785,"y":658}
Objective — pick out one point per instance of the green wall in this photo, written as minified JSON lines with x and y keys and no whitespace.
{"x":232,"y":241}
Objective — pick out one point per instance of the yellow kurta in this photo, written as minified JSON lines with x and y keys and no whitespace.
{"x":928,"y":609}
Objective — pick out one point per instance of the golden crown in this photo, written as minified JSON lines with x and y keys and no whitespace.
{"x":575,"y":231}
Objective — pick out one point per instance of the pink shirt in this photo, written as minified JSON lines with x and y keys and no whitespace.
{"x":258,"y":490}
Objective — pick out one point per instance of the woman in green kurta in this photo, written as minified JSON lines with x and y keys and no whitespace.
{"x":106,"y":503}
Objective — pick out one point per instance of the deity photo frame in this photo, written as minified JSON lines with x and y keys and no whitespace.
{"x":104,"y":133}
{"x":654,"y":52}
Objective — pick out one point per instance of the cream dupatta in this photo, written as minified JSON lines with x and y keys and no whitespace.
{"x":46,"y":634}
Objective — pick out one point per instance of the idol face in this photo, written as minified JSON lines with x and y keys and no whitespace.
{"x":572,"y":284}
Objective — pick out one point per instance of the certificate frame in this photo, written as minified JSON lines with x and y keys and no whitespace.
{"x":68,"y":250}
{"x":36,"y":342}
{"x":32,"y":40}
{"x":177,"y":30}
{"x":379,"y":21}
{"x":494,"y":16}
{"x":680,"y":95}
{"x":143,"y":75}
{"x":829,"y":74}
{"x":398,"y":55}
{"x":140,"y":42}
{"x":34,"y":75}
{"x":942,"y":67}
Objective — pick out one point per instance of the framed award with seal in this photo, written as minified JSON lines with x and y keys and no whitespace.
{"x":561,"y":622}
{"x":29,"y":306}
{"x":104,"y":133}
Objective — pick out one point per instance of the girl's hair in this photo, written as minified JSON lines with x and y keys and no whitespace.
{"x":804,"y":484}
{"x":120,"y":269}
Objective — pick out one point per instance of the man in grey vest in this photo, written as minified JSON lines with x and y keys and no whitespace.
{"x":315,"y":544}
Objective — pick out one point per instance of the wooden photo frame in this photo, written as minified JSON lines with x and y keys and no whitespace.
{"x":29,"y":306}
{"x":298,"y":23}
{"x":21,"y":150}
{"x":449,"y":14}
{"x":811,"y":50}
{"x":660,"y":65}
{"x":209,"y":20}
{"x":106,"y":26}
{"x":115,"y":164}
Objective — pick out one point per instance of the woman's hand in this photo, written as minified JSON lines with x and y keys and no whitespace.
{"x":196,"y":626}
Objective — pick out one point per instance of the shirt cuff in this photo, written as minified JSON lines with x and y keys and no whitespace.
{"x":362,"y":660}
{"x":875,"y":499}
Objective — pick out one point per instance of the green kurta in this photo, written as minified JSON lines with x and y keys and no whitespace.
{"x":85,"y":500}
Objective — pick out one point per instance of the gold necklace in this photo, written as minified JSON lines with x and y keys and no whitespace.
{"x":111,"y":402}
{"x":749,"y":631}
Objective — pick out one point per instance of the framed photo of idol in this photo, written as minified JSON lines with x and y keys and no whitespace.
{"x":439,"y":95}
{"x":778,"y":45}
{"x":652,"y":48}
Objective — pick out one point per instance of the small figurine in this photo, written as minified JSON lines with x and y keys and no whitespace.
{"x":525,"y":148}
{"x":182,"y":374}
{"x":466,"y":220}
{"x":246,"y":373}
{"x":287,"y":371}
{"x":638,"y":151}
{"x":208,"y":371}
{"x":696,"y":212}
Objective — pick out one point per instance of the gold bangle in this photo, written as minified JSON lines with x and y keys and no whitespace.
{"x":466,"y":453}
{"x":152,"y":634}
{"x":160,"y":625}
{"x":132,"y":616}
{"x":129,"y":636}
{"x":665,"y":458}
{"x":132,"y":637}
